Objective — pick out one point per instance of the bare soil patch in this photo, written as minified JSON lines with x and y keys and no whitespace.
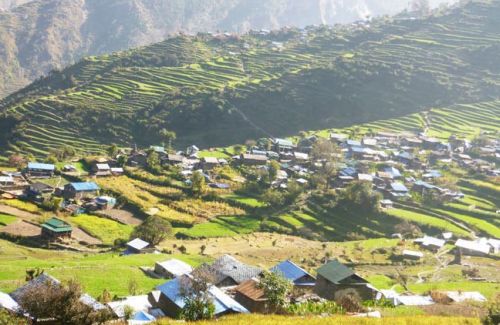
{"x":121,"y":216}
{"x":22,"y":228}
{"x":17,"y":213}
{"x":82,"y":236}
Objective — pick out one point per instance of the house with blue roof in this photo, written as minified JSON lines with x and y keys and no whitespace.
{"x":297,"y":275}
{"x":39,"y":170}
{"x":81,"y":190}
{"x":393,"y":171}
{"x":398,"y":190}
{"x":171,"y":300}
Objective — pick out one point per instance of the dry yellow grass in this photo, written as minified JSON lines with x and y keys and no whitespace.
{"x":337,"y":320}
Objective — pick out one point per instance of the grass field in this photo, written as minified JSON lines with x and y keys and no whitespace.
{"x":222,"y":227}
{"x":95,"y":272}
{"x":6,"y":219}
{"x":105,"y":229}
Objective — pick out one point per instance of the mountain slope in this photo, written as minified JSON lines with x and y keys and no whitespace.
{"x":222,"y":90}
{"x":49,"y":34}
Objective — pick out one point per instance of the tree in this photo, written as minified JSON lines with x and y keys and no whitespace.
{"x":407,"y":229}
{"x":153,"y":160}
{"x":350,"y":300}
{"x":154,"y":230}
{"x":17,"y":161}
{"x":168,"y":136}
{"x":195,"y":291}
{"x":113,"y":150}
{"x":327,"y":153}
{"x":198,"y":184}
{"x":274,"y":168}
{"x":250,"y":144}
{"x":50,"y":300}
{"x":238,"y":149}
{"x":273,"y":198}
{"x":276,"y":288}
{"x":361,"y":196}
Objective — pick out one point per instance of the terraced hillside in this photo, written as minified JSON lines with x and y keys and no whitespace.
{"x":222,"y":90}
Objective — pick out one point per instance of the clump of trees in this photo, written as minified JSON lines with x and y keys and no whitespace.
{"x":154,"y":230}
{"x":276,"y":289}
{"x":198,"y":304}
{"x":61,"y":302}
{"x":198,"y":184}
{"x":360,"y":196}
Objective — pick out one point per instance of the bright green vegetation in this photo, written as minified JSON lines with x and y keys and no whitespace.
{"x":22,"y":205}
{"x":222,"y":227}
{"x":105,"y":229}
{"x":427,"y":220}
{"x":214,"y":87}
{"x":6,"y":219}
{"x":95,"y":272}
{"x":489,"y":290}
{"x":246,"y":200}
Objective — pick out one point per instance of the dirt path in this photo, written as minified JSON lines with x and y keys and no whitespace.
{"x":18,"y":213}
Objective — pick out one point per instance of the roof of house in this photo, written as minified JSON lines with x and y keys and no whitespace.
{"x":40,"y":187}
{"x":84,"y":186}
{"x":290,"y":270}
{"x":398,"y":187}
{"x":227,"y":266}
{"x":250,"y":289}
{"x":394,"y":171}
{"x":158,"y":149}
{"x":414,"y":300}
{"x":247,"y":156}
{"x":102,"y":166}
{"x":39,"y":281}
{"x":473,"y":246}
{"x":407,"y":252}
{"x":137,"y":303}
{"x":301,"y":155}
{"x":176,"y":267}
{"x":57,"y":225}
{"x":222,"y":302}
{"x":365,"y":177}
{"x":283,"y":143}
{"x":460,"y":296}
{"x":210,"y":160}
{"x":6,"y":302}
{"x":354,"y":143}
{"x":138,"y":244}
{"x":334,"y":271}
{"x":6,"y":179}
{"x":40,"y":166}
{"x":431,"y":241}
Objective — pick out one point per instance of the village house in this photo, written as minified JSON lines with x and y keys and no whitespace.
{"x":160,"y":151}
{"x":228,"y":271}
{"x":139,"y":305}
{"x":472,"y":248}
{"x":398,"y":190}
{"x":8,"y":304}
{"x":253,"y":160}
{"x":105,"y":202}
{"x":386,"y":204}
{"x":209,"y":163}
{"x":138,"y":159}
{"x":174,"y":159}
{"x":55,"y":228}
{"x":250,"y":296}
{"x":6,"y":181}
{"x":412,"y":255}
{"x":39,"y":170}
{"x":172,"y":268}
{"x":101,"y":169}
{"x":171,"y":301}
{"x":138,"y":246}
{"x":334,"y":277}
{"x":297,"y":275}
{"x":283,"y":146}
{"x":78,"y":191}
{"x":39,"y":192}
{"x":431,"y":243}
{"x":117,"y":171}
{"x":338,"y":138}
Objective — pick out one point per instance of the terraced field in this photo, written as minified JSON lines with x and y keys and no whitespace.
{"x":206,"y":88}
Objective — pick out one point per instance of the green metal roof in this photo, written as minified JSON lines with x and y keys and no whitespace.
{"x":335,"y":271}
{"x":57,"y":225}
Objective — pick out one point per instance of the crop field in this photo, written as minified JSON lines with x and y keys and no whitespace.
{"x":228,"y":226}
{"x":6,"y":219}
{"x":104,"y":229}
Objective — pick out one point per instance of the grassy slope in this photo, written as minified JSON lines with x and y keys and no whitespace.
{"x":95,"y":272}
{"x":402,"y":66}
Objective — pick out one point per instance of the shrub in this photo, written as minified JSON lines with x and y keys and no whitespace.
{"x":350,"y":300}
{"x":315,"y":308}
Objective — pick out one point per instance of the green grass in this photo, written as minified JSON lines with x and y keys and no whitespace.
{"x":222,"y":227}
{"x":246,"y":200}
{"x":95,"y":272}
{"x":489,"y":290}
{"x":427,"y":220}
{"x":105,"y":229}
{"x":6,"y":219}
{"x":22,"y":205}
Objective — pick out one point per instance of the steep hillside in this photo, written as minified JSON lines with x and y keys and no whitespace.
{"x":49,"y":34}
{"x":221,"y":90}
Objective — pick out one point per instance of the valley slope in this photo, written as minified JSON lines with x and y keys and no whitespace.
{"x":219,"y":90}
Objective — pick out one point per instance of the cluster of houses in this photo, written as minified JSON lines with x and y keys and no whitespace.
{"x":234,"y":287}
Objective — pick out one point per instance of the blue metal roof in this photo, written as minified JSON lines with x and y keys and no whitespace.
{"x":424,"y":184}
{"x":353,"y":143}
{"x":289,"y":270}
{"x":349,"y":171}
{"x":222,"y":302}
{"x":85,"y":187}
{"x":40,"y":166}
